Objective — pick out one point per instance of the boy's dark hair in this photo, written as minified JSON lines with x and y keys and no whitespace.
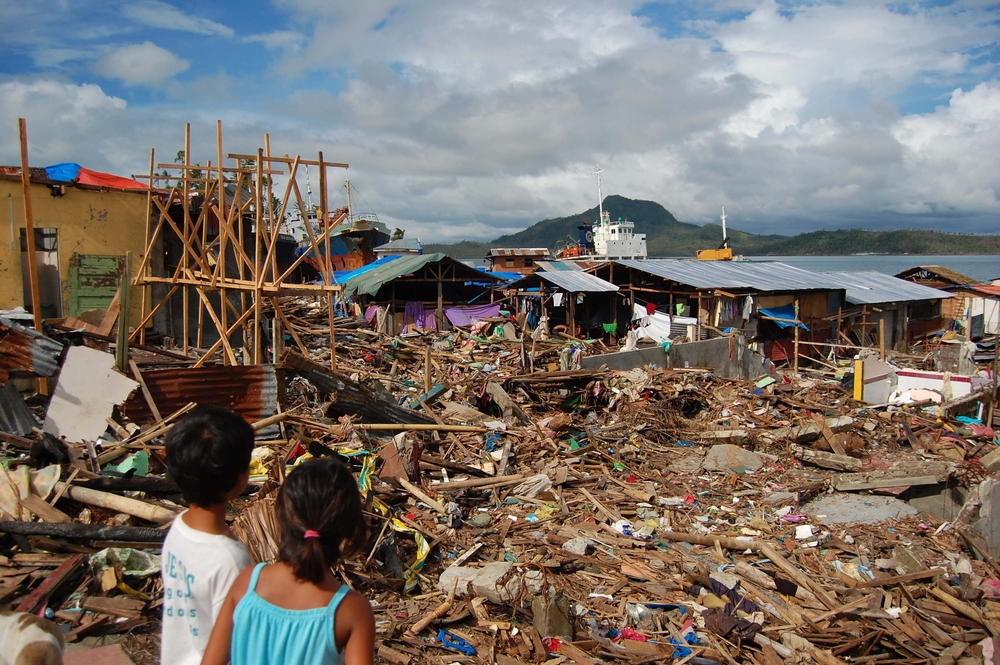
{"x":322,"y":496}
{"x":207,"y":452}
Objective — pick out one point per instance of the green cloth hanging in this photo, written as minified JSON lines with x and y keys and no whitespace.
{"x":610,"y":328}
{"x":679,"y":308}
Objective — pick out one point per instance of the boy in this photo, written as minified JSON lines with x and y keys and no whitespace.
{"x":208,"y":457}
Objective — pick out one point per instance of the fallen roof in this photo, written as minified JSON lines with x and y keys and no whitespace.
{"x":370,"y":282}
{"x":946,"y":273}
{"x":986,"y":289}
{"x":756,"y":275}
{"x":870,"y":287}
{"x":571,"y":281}
{"x":253,"y":391}
{"x":26,"y":350}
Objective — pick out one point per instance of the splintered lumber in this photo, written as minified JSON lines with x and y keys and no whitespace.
{"x":810,"y":431}
{"x":122,"y":504}
{"x":438,"y":612}
{"x":422,"y":496}
{"x":797,"y":575}
{"x":50,"y":584}
{"x":828,"y":434}
{"x":738,"y":544}
{"x":918,"y":473}
{"x":85,"y":531}
{"x":119,"y":606}
{"x":826,"y":460}
{"x":480,"y":482}
{"x":348,"y":397}
{"x":38,"y":506}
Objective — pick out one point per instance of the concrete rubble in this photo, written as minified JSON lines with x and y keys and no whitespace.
{"x":650,"y":513}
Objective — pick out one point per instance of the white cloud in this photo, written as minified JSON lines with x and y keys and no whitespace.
{"x":156,"y":14}
{"x":141,"y":64}
{"x":288,"y":41}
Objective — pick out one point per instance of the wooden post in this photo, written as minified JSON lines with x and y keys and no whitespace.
{"x":186,"y":230}
{"x":427,"y":372}
{"x":125,"y":297}
{"x":258,"y":295}
{"x":996,"y":365}
{"x":224,"y":231}
{"x":327,"y":261}
{"x":572,"y":313}
{"x":836,"y":338}
{"x":795,"y":363}
{"x":439,"y":314}
{"x":29,"y":227}
{"x":881,"y":337}
{"x":29,"y":233}
{"x":146,"y":246}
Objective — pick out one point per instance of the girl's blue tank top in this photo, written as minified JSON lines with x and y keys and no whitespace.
{"x":264,"y":633}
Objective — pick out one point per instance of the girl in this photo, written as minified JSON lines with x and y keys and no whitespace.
{"x":295,"y":612}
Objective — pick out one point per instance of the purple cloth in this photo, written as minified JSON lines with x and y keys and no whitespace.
{"x":417,"y":317}
{"x":371,"y":314}
{"x":463,"y":316}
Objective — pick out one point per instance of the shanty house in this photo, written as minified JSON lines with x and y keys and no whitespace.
{"x":522,"y":260}
{"x":569,"y":298}
{"x":84,"y":224}
{"x":973,"y":308}
{"x":412,"y":291}
{"x":881,"y":307}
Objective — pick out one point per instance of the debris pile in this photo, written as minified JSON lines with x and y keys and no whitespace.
{"x":523,"y":509}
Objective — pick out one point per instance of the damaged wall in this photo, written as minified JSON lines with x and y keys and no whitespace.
{"x":87,"y":222}
{"x":728,"y":356}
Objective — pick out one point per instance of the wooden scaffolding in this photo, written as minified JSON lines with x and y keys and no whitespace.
{"x":255,"y":286}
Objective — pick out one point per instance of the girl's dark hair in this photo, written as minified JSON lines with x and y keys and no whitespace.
{"x":320,"y":495}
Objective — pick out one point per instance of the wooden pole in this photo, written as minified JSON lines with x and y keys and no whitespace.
{"x":147,"y":245}
{"x":224,"y":231}
{"x":258,"y":321}
{"x":125,"y":298}
{"x":795,"y":363}
{"x":427,"y":372}
{"x":327,"y":260}
{"x":439,"y":312}
{"x":29,"y":227}
{"x":881,"y":338}
{"x":185,"y":203}
{"x":29,"y":232}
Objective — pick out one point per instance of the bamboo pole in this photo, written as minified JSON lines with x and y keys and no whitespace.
{"x":121,"y":504}
{"x":881,"y":338}
{"x":220,"y":268}
{"x":258,"y":268}
{"x":185,"y":203}
{"x":147,"y":244}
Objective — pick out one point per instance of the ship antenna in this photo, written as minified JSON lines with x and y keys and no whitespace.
{"x":600,"y":197}
{"x":725,"y":236}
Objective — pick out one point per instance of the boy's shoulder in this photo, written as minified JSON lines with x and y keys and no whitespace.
{"x":182,"y":536}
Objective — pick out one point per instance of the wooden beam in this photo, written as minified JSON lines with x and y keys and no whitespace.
{"x":29,"y":232}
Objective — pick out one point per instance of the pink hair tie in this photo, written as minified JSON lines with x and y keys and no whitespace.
{"x":311,"y":534}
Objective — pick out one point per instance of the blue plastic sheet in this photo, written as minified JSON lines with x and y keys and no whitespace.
{"x":65,"y":172}
{"x":786,"y":312}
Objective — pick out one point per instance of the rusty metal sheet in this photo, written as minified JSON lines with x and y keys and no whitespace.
{"x":253,"y":391}
{"x":15,"y":416}
{"x":26,"y":350}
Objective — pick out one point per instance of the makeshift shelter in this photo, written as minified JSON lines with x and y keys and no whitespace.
{"x":414,"y":289}
{"x":973,"y":308}
{"x":887,"y":311}
{"x":522,"y":260}
{"x":564,"y":292}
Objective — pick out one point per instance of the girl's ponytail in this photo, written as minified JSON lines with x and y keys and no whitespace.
{"x":319,"y":509}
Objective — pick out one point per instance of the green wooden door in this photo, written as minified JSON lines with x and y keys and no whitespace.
{"x":93,"y":281}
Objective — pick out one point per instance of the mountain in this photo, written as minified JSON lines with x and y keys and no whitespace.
{"x":665,"y":236}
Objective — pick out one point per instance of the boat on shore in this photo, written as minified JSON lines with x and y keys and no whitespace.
{"x":606,"y":239}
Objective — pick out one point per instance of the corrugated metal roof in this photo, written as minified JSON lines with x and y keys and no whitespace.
{"x":554,"y":266}
{"x":15,"y":416}
{"x":26,"y":350}
{"x":519,"y":251}
{"x":253,"y":391}
{"x":574,"y":281}
{"x":870,"y":287}
{"x":987,"y":289}
{"x":757,"y":275}
{"x":370,"y":282}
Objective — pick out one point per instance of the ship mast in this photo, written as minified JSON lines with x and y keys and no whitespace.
{"x":309,"y":193}
{"x":350,"y":208}
{"x":600,"y":197}
{"x":725,"y":236}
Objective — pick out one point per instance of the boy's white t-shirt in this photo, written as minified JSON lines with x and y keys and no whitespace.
{"x":197,"y":569}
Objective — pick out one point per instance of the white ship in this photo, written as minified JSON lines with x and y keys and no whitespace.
{"x":606,"y":239}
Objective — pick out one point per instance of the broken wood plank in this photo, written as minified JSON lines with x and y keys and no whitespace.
{"x":52,"y":582}
{"x":920,"y":473}
{"x":825,"y":460}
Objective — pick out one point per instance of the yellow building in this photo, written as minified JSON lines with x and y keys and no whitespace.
{"x":82,"y":233}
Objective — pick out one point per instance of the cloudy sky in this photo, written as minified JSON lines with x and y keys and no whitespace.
{"x":472,"y":118}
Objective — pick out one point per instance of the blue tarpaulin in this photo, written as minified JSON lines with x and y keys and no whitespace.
{"x":65,"y":172}
{"x":787,"y":312}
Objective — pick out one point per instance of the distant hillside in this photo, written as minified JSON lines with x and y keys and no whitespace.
{"x":665,"y":236}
